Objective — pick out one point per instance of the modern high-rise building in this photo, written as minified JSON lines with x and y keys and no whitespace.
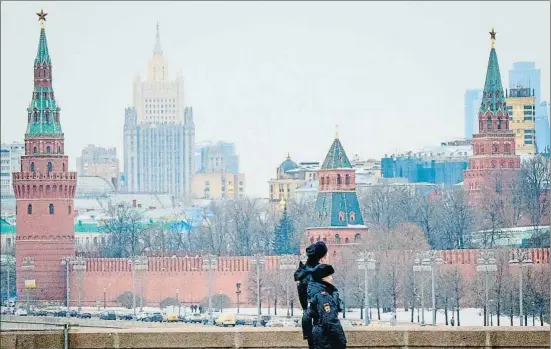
{"x":159,"y":133}
{"x":219,"y":157}
{"x":521,"y":106}
{"x":44,"y":191}
{"x":494,"y":163}
{"x":525,"y":74}
{"x":99,"y":161}
{"x":10,"y":162}
{"x":472,"y":102}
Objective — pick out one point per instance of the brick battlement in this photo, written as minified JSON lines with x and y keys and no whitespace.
{"x":45,"y":175}
{"x":243,"y":263}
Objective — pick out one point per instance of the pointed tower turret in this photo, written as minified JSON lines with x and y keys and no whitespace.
{"x":44,"y":189}
{"x":494,"y":162}
{"x":43,"y":112}
{"x":338,"y":219}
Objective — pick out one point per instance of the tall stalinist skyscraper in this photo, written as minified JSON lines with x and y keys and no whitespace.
{"x":159,"y":133}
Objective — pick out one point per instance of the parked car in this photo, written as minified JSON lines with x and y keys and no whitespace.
{"x":108,"y":315}
{"x":154,"y":317}
{"x":196,"y":318}
{"x":226,"y":319}
{"x":282,"y":323}
{"x":21,"y":312}
{"x":85,"y":315}
{"x":40,"y":312}
{"x":125,"y":317}
{"x":172,"y":318}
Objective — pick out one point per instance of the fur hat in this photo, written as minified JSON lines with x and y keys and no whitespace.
{"x":316,"y":251}
{"x":322,"y":271}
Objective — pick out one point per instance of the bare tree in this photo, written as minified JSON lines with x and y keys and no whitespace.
{"x":126,"y":232}
{"x":457,"y":219}
{"x":534,"y":187}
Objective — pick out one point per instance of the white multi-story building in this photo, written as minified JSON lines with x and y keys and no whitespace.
{"x":10,"y":162}
{"x":159,"y":133}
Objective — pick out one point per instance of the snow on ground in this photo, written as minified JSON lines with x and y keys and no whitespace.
{"x":468,"y":316}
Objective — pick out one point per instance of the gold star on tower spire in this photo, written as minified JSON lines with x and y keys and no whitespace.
{"x":493,"y":37}
{"x":41,"y":17}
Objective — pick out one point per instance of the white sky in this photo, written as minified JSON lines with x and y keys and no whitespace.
{"x":273,"y":77}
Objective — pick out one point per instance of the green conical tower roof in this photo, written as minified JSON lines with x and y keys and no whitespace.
{"x":43,"y":112}
{"x":493,"y":98}
{"x":42,"y":56}
{"x":336,"y":157}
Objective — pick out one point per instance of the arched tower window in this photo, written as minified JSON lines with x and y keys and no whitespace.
{"x":337,"y":239}
{"x":489,"y":123}
{"x":482,"y":149}
{"x":30,"y":209}
{"x":322,"y":181}
{"x":347,"y":179}
{"x":35,"y":150}
{"x":48,"y":149}
{"x":47,"y":116}
{"x":63,"y":167}
{"x":51,"y":208}
{"x":357,"y":237}
{"x":507,"y":148}
{"x":50,"y":166}
{"x":69,"y":209}
{"x":35,"y":116}
{"x":59,"y":149}
{"x":32,"y":166}
{"x":341,"y":216}
{"x":499,"y":123}
{"x":57,"y":116}
{"x":346,"y":240}
{"x":339,"y":180}
{"x":495,"y":148}
{"x":327,"y":180}
{"x":352,"y":216}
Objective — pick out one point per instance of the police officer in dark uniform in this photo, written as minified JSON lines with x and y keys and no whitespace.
{"x":303,"y":275}
{"x":324,"y":307}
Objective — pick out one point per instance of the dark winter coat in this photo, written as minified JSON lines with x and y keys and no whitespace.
{"x":323,"y":311}
{"x":303,"y":276}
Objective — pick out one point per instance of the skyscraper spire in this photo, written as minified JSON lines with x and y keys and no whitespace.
{"x":158,"y":50}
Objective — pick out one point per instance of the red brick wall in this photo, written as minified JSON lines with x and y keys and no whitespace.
{"x":167,"y":274}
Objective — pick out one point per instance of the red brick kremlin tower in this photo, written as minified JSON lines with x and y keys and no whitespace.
{"x":338,"y":220}
{"x":44,"y":189}
{"x":494,"y":163}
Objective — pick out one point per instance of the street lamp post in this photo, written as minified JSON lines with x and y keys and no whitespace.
{"x":104,"y":299}
{"x":258,"y":260}
{"x":79,"y":265}
{"x":66,"y":261}
{"x":520,"y":258}
{"x":28,"y":267}
{"x":366,"y":261}
{"x":209,"y":263}
{"x":418,"y":267}
{"x":178,"y":301}
{"x":486,"y":263}
{"x":432,"y":259}
{"x":287,"y":262}
{"x":238,"y":293}
{"x":141,"y":264}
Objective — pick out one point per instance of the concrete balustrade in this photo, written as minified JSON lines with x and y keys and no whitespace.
{"x":256,"y":338}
